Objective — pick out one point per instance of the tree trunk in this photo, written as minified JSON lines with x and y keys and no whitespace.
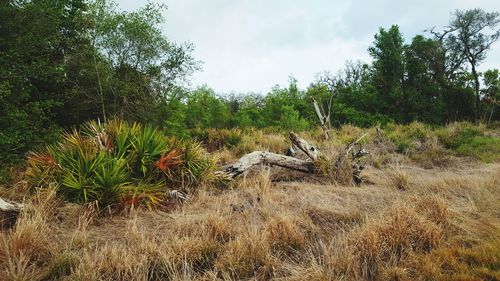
{"x":267,"y":158}
{"x":477,"y":100}
{"x":324,"y":119}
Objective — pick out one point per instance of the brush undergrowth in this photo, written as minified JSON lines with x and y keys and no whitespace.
{"x":407,"y":224}
{"x":118,"y":163}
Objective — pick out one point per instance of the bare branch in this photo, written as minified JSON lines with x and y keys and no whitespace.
{"x":308,"y":149}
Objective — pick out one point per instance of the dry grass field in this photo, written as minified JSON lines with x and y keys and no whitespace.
{"x":422,"y":213}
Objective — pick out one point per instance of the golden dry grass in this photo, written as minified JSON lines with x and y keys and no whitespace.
{"x":404,"y":223}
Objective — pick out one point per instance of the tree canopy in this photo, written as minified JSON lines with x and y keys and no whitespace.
{"x":63,"y":62}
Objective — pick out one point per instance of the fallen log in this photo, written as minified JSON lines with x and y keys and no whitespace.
{"x":9,"y":213}
{"x":312,"y":165}
{"x":267,"y":158}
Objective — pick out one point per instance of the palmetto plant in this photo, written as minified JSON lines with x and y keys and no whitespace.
{"x":195,"y":166}
{"x":117,"y":162}
{"x":148,"y":145}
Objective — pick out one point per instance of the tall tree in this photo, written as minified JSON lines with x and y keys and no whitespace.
{"x":471,"y":34}
{"x":38,"y":39}
{"x":147,"y":65}
{"x":423,"y":91}
{"x":491,"y":92}
{"x":388,"y":54}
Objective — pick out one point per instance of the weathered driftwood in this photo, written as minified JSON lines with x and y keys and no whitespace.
{"x":355,"y":155}
{"x":7,"y":206}
{"x":324,"y":117}
{"x":356,"y":166}
{"x":267,"y":158}
{"x":9,"y":213}
{"x":310,"y":150}
{"x":288,"y":161}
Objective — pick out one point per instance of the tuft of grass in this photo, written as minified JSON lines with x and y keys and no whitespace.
{"x":333,"y":221}
{"x":456,"y":262}
{"x":407,"y":137}
{"x":259,"y":140}
{"x":391,"y":241}
{"x":216,"y":139}
{"x":199,"y":254}
{"x":284,"y":236}
{"x":219,"y":229}
{"x":399,"y":179}
{"x":26,"y":247}
{"x":247,"y":256}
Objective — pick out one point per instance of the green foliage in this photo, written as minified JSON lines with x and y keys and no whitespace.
{"x":173,"y":116}
{"x":343,"y":114}
{"x":250,"y":112}
{"x":491,"y":94}
{"x":142,"y":68}
{"x":291,"y":120}
{"x":214,"y":139}
{"x":388,"y":53}
{"x":471,"y":34}
{"x":431,"y":146}
{"x":118,"y":163}
{"x":147,"y":146}
{"x":206,"y":110}
{"x":287,"y":108}
{"x":69,"y":61}
{"x":457,"y":134}
{"x":35,"y":37}
{"x":486,"y":149}
{"x":407,"y":137}
{"x":467,"y":139}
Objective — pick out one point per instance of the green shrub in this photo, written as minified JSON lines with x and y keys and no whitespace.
{"x":118,"y":163}
{"x":456,"y":134}
{"x":214,"y":139}
{"x":486,"y":149}
{"x":406,"y":137}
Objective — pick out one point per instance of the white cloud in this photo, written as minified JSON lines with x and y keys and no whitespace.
{"x":251,"y":45}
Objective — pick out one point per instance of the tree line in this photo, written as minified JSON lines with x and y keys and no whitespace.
{"x":63,"y":62}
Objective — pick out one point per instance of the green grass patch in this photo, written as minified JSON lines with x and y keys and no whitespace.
{"x":486,"y":149}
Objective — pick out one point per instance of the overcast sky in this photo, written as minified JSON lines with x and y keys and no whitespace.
{"x":252,"y":45}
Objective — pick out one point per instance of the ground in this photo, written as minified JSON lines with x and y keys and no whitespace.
{"x":405,"y":222}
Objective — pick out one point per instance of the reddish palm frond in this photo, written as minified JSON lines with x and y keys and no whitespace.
{"x":105,"y":141}
{"x":131,"y":201}
{"x":43,"y":159}
{"x":169,"y":161}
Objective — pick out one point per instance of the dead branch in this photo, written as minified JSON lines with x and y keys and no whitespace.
{"x":267,"y":158}
{"x":360,"y":153}
{"x":310,"y":150}
{"x":324,"y":118}
{"x":9,"y":213}
{"x":7,"y":206}
{"x":310,"y":165}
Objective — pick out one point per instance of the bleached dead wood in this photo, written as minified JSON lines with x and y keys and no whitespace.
{"x":6,"y":206}
{"x":285,"y":161}
{"x":324,"y":117}
{"x":9,"y":213}
{"x":356,"y":166}
{"x":361,"y":152}
{"x":273,"y":159}
{"x":267,"y":158}
{"x":310,"y":150}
